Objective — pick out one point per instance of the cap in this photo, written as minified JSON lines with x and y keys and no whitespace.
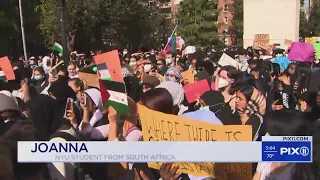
{"x":150,"y":80}
{"x":7,"y":103}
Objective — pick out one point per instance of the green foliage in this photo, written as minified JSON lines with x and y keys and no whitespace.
{"x":197,"y":22}
{"x":236,"y":30}
{"x":120,"y":22}
{"x":313,"y":24}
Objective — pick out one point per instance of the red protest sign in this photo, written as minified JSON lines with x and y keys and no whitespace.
{"x":113,"y":64}
{"x":195,"y":90}
{"x":6,"y":67}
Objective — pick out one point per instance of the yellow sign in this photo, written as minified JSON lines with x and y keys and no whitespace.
{"x":287,"y":42}
{"x":157,"y":126}
{"x":311,"y":39}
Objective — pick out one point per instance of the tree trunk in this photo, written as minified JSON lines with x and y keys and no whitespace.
{"x":71,"y":40}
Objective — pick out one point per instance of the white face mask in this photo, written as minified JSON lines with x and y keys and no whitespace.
{"x":168,"y":60}
{"x":147,"y":68}
{"x":125,"y":52}
{"x":222,"y":83}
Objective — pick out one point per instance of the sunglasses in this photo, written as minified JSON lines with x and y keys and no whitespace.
{"x":159,"y":64}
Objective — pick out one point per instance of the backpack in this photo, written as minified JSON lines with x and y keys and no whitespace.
{"x":84,"y":171}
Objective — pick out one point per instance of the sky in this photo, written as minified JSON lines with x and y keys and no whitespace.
{"x":306,"y":3}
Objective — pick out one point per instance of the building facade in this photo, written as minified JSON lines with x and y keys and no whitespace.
{"x":225,"y":21}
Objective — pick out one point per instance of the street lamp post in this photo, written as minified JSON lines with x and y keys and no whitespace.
{"x":62,"y":9}
{"x":22,"y":33}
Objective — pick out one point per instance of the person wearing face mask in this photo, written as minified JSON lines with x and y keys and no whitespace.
{"x":147,"y":67}
{"x":39,"y":79}
{"x":173,"y":74}
{"x":214,"y":101}
{"x":161,"y":66}
{"x":133,"y":61}
{"x":169,"y":60}
{"x":226,"y":76}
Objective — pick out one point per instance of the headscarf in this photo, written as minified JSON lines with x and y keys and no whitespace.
{"x":283,"y":62}
{"x":7,"y":93}
{"x":176,"y":72}
{"x":257,"y":103}
{"x":96,"y":97}
{"x":177,"y":93}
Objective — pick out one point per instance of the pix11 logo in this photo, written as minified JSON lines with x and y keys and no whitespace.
{"x":300,"y":151}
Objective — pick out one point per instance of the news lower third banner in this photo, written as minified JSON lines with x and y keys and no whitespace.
{"x":271,"y":149}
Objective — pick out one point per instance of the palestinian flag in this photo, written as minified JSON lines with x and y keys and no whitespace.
{"x":57,"y":47}
{"x":104,"y":72}
{"x":114,"y":94}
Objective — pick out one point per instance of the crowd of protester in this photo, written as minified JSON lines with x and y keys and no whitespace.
{"x":269,"y":96}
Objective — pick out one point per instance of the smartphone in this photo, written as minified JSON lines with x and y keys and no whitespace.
{"x":303,"y":79}
{"x":83,"y":99}
{"x":69,"y":106}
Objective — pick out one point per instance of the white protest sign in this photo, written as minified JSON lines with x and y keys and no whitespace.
{"x":226,"y":60}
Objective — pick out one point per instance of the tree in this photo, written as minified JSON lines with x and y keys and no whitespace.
{"x":313,"y":24}
{"x":101,"y":23}
{"x":304,"y":30}
{"x":10,"y":37}
{"x":236,"y":30}
{"x":83,"y":17}
{"x":197,"y":22}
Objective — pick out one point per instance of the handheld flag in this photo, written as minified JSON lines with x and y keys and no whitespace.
{"x":57,"y":47}
{"x":171,"y":46}
{"x":114,"y":94}
{"x":172,"y":43}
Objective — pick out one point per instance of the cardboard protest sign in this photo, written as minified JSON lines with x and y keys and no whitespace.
{"x":113,"y":64}
{"x":226,"y":60}
{"x":157,"y":126}
{"x":287,"y":42}
{"x":91,"y":79}
{"x":301,"y":52}
{"x":6,"y":67}
{"x":195,"y":90}
{"x":189,"y":76}
{"x":261,"y":40}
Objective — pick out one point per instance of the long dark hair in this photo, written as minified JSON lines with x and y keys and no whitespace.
{"x":158,"y":99}
{"x":46,"y":114}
